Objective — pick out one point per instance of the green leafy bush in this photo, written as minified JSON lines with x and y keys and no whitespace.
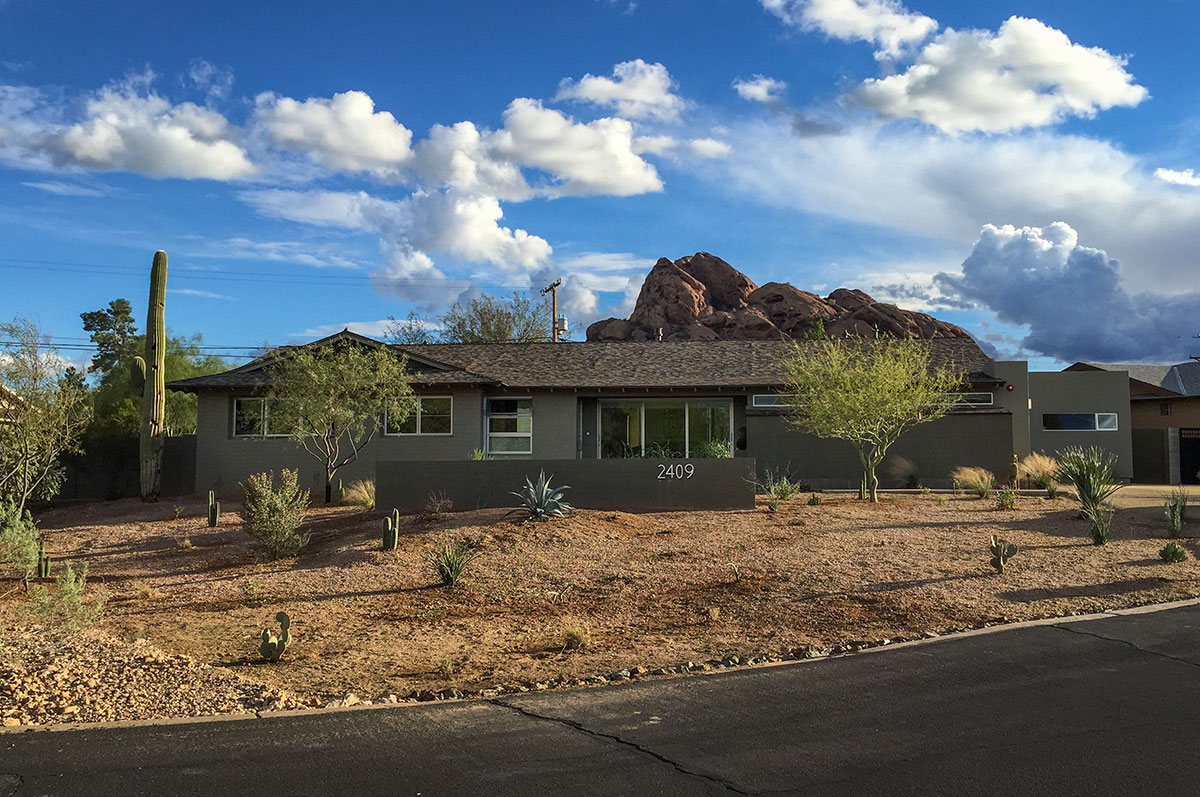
{"x":64,"y":607}
{"x":19,"y":539}
{"x":1090,"y":472}
{"x":1006,"y":498}
{"x":777,"y":485}
{"x":273,"y":517}
{"x":1173,"y":552}
{"x":450,"y":561}
{"x":542,"y":501}
{"x":1175,"y":510}
{"x":713,"y":449}
{"x":976,"y":481}
{"x":1040,"y":471}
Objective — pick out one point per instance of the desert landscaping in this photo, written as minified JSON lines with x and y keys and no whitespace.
{"x":583,"y":600}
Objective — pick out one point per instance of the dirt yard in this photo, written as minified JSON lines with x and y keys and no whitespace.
{"x":648,"y":593}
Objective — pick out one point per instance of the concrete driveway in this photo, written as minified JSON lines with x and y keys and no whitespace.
{"x":1103,"y":706}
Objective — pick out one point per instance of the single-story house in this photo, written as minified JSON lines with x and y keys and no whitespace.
{"x":669,"y":399}
{"x":1165,"y":418}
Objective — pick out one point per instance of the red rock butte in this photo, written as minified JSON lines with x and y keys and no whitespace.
{"x":701,"y":297}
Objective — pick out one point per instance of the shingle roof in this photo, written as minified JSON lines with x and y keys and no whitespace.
{"x":593,"y":364}
{"x":1181,"y":378}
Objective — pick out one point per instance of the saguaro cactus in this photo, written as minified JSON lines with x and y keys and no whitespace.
{"x":154,"y":392}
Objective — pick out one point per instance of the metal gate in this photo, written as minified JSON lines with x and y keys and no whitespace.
{"x":1189,"y":456}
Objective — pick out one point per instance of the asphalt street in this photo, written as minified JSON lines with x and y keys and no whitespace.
{"x":1104,"y":706}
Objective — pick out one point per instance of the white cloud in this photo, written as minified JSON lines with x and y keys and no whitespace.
{"x":1026,"y":74}
{"x":654,"y":145}
{"x":884,"y":23}
{"x":199,"y":294}
{"x":318,"y":255}
{"x":215,"y":81}
{"x":593,"y":262}
{"x":1071,"y":297}
{"x":372,"y":329}
{"x":709,"y":148}
{"x":636,"y":90}
{"x":66,"y":189}
{"x":592,"y":158}
{"x":460,"y":157}
{"x":945,"y":189}
{"x":760,"y":88}
{"x":1186,"y":177}
{"x":343,"y":133}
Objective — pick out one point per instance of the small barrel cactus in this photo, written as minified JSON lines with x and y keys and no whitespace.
{"x":214,"y":509}
{"x":1002,"y":550}
{"x":272,"y":646}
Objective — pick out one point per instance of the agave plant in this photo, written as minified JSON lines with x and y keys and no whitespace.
{"x":541,"y":501}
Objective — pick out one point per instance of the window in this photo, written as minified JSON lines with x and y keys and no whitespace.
{"x":1164,"y":408}
{"x":1080,"y":422}
{"x":432,"y":415}
{"x":973,"y":399}
{"x":252,"y":418}
{"x":509,"y":426}
{"x":770,"y":400}
{"x":666,"y":428}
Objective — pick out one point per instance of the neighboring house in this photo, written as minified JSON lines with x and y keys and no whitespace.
{"x":1165,"y":410}
{"x":592,"y":400}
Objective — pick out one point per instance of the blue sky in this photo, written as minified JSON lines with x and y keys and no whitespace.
{"x":1025,"y":169}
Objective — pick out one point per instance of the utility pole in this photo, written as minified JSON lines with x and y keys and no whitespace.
{"x":552,"y":289}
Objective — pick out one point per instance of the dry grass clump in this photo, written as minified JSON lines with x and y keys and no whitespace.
{"x":575,"y":635}
{"x":977,"y":481}
{"x":361,"y":494}
{"x":1041,"y":471}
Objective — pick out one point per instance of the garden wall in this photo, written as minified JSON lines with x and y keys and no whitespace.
{"x":628,"y":485}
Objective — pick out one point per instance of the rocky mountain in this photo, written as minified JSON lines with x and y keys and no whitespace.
{"x":701,"y":297}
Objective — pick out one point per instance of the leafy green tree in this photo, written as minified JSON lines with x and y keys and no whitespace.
{"x":867,"y":392}
{"x":113,"y":331}
{"x":412,"y":330}
{"x":488,"y":319}
{"x":333,"y":398}
{"x":43,"y":413}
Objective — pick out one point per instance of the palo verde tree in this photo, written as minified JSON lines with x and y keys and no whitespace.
{"x":332,"y":398}
{"x":867,"y":392}
{"x":43,"y":412}
{"x":488,"y":319}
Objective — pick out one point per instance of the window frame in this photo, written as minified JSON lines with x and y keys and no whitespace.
{"x":687,"y":431}
{"x":771,"y":405}
{"x":488,"y":434}
{"x":264,"y":418}
{"x":961,"y":399}
{"x":419,"y":413}
{"x":1096,"y":427}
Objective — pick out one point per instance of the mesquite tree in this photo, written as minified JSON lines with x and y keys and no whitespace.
{"x":867,"y":392}
{"x":331,"y":399}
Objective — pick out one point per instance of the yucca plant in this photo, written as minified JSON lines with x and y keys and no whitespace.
{"x":542,"y":501}
{"x":450,"y":560}
{"x":1090,"y":472}
{"x":977,"y":481}
{"x":1040,"y":471}
{"x":1100,"y":518}
{"x":1175,"y":510}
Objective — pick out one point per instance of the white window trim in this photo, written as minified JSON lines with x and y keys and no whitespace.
{"x":488,"y":434}
{"x":265,"y":417}
{"x":419,"y":413}
{"x":1095,"y":421}
{"x":687,"y":428}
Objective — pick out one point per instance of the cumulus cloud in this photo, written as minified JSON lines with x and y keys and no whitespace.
{"x":343,"y":132}
{"x":709,"y":148}
{"x":460,"y":157}
{"x":636,"y":90}
{"x":1186,"y":177}
{"x":584,"y":158}
{"x":1026,"y":74}
{"x":1070,"y":297}
{"x":215,"y":81}
{"x":884,"y":23}
{"x":760,"y":88}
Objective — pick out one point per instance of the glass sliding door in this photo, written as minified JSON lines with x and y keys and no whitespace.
{"x":620,"y":430}
{"x":666,"y":428}
{"x":709,"y":429}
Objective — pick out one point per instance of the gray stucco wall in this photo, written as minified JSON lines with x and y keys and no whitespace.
{"x":1014,"y":374}
{"x":925,"y":454}
{"x":1084,"y":392}
{"x":223,"y":461}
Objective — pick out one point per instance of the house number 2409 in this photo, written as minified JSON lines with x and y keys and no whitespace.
{"x":676,"y":471}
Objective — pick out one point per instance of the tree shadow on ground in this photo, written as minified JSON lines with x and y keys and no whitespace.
{"x":1083,"y":590}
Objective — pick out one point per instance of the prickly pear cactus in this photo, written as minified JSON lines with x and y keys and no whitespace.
{"x":1002,"y":550}
{"x":272,"y":646}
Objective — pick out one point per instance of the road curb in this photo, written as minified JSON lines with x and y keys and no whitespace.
{"x":1151,"y":608}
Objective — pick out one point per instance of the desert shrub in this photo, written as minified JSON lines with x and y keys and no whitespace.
{"x":777,"y":485}
{"x":662,"y":451}
{"x":1090,"y":472}
{"x":435,"y":506}
{"x":361,"y":493}
{"x":450,"y":561}
{"x":1175,"y":510}
{"x":1173,"y":552}
{"x":274,"y":516}
{"x":575,"y":635}
{"x":19,"y":539}
{"x":479,"y":455}
{"x":542,"y":501}
{"x":1099,"y":517}
{"x":1040,"y":471}
{"x":773,"y":503}
{"x":976,"y":481}
{"x":713,"y":449}
{"x":64,"y":607}
{"x":942,"y":500}
{"x":814,"y":500}
{"x":1006,"y":498}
